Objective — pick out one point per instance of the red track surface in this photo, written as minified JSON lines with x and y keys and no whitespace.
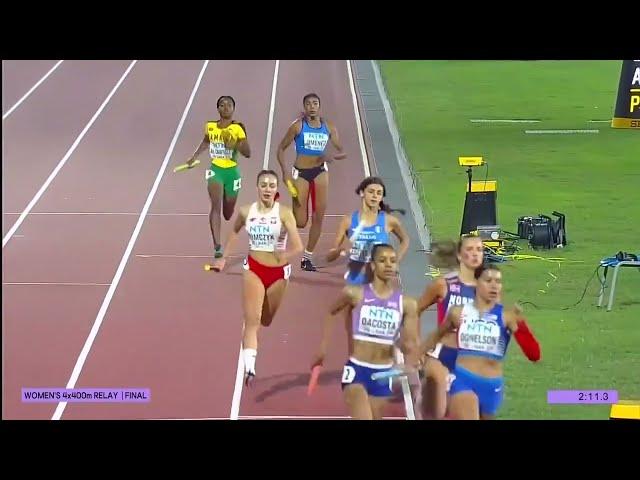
{"x":170,"y":326}
{"x":18,"y":76}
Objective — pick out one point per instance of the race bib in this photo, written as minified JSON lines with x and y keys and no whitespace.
{"x":379,"y":321}
{"x":287,"y":271}
{"x":315,"y":141}
{"x":261,"y":237}
{"x":480,"y":336}
{"x":361,"y":251}
{"x":218,"y":150}
{"x":348,"y":374}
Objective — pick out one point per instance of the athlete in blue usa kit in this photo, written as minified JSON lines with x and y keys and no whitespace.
{"x":484,"y":330}
{"x":380,"y":316}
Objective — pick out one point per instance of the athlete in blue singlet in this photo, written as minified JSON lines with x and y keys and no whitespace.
{"x":309,"y":177}
{"x":453,"y":289}
{"x":379,"y":315}
{"x":370,"y":225}
{"x":484,"y":330}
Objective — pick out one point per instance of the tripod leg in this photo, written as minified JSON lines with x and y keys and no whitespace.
{"x":603,"y":285}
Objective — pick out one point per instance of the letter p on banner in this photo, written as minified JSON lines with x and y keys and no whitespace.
{"x":627,"y":113}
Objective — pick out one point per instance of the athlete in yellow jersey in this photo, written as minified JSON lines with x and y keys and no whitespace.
{"x":224,"y":138}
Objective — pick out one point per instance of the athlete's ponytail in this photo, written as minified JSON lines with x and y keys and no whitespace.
{"x":444,"y":254}
{"x":386,"y":208}
{"x":378,"y":181}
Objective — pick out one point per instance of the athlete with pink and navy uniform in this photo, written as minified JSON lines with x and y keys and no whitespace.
{"x":456,"y":288}
{"x":380,"y":315}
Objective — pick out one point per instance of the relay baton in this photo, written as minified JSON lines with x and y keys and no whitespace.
{"x":185,"y":166}
{"x":313,"y":381}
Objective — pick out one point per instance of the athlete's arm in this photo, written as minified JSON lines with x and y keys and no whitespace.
{"x":519,"y":328}
{"x":293,"y":130}
{"x":335,"y":140}
{"x":243,"y":144}
{"x":399,"y":231}
{"x":349,"y":296}
{"x":201,"y":148}
{"x":241,"y":217}
{"x":410,"y":331}
{"x":289,"y":222}
{"x":341,"y":235}
{"x":434,"y":293}
{"x":450,"y":322}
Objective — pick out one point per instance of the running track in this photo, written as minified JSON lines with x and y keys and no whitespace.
{"x":103,"y":280}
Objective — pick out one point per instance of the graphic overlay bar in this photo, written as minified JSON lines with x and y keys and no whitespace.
{"x":578,"y":397}
{"x":86,"y":395}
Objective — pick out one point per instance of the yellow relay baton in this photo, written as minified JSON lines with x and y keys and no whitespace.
{"x":292,"y":189}
{"x":185,"y":166}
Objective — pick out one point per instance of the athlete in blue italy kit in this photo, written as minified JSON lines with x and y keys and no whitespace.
{"x":484,"y":330}
{"x":369,"y":226}
{"x":379,"y":316}
{"x":453,"y":289}
{"x":309,"y":179}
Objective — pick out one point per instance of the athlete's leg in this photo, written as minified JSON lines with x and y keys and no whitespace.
{"x":253,"y":297}
{"x":490,"y":398}
{"x":321,"y":184}
{"x":232,"y":186}
{"x":357,"y":399}
{"x":378,"y":405}
{"x":228,"y":206}
{"x":415,"y":388}
{"x":275,"y":294}
{"x":215,"y":189}
{"x":464,"y":406}
{"x":434,"y":393}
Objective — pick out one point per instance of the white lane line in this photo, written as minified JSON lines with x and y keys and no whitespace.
{"x":66,"y":284}
{"x":566,"y":132}
{"x":24,"y":97}
{"x":237,"y":389}
{"x":72,"y":149}
{"x":415,"y":209}
{"x":502,"y":120}
{"x":276,"y":417}
{"x":356,"y":109}
{"x":77,"y":369}
{"x":181,"y":256}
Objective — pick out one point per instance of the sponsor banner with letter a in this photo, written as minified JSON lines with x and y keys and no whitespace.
{"x":627,"y":113}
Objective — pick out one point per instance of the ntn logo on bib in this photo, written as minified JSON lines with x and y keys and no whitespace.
{"x":315,"y":141}
{"x":481,"y":334}
{"x":218,"y":150}
{"x":379,"y":321}
{"x":264,"y":230}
